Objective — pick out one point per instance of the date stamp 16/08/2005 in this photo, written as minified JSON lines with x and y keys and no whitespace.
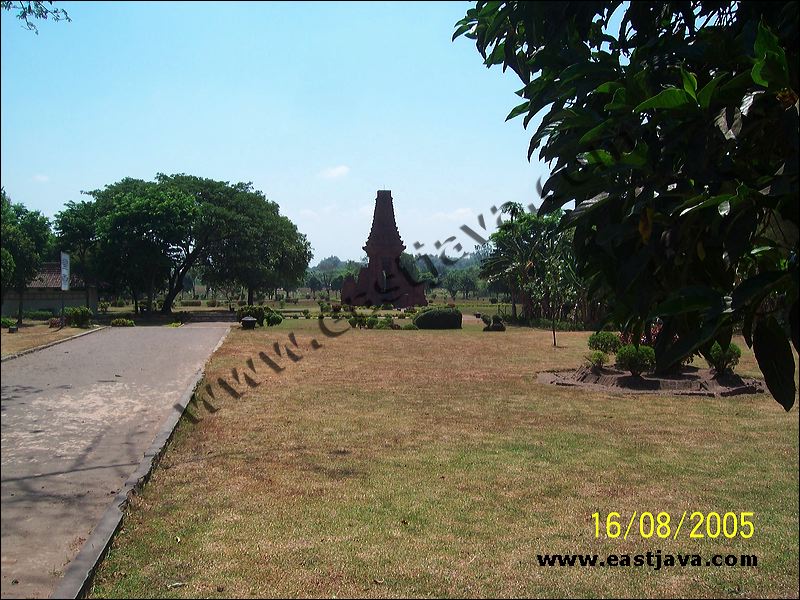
{"x":662,"y":525}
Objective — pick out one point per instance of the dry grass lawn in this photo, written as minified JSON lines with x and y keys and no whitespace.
{"x":431,"y":463}
{"x":31,"y":335}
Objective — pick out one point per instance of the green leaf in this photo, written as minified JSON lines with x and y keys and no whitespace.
{"x":771,"y":66}
{"x":518,"y":110}
{"x":774,"y":356}
{"x":689,"y":299}
{"x":598,"y":157}
{"x":670,"y":98}
{"x":707,"y":93}
{"x":690,"y":205}
{"x":598,"y":132}
{"x":609,"y":87}
{"x":462,"y":30}
{"x":689,"y":83}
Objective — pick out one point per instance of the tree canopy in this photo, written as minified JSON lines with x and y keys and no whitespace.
{"x":676,"y":137}
{"x":26,"y":241}
{"x":148,"y":235}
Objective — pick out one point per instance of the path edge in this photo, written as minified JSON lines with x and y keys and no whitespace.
{"x":79,"y":575}
{"x":49,"y":344}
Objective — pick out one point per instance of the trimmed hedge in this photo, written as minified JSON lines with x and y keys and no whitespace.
{"x":126,"y":323}
{"x":439,"y":318}
{"x":604,"y":341}
{"x":724,"y":360}
{"x":8,"y":322}
{"x":78,"y":316}
{"x":636,"y":360}
{"x":191,"y":303}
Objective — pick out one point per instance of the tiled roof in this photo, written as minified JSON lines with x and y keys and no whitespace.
{"x":50,"y":277}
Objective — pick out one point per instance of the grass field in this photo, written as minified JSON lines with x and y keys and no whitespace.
{"x":431,"y":463}
{"x":31,"y":335}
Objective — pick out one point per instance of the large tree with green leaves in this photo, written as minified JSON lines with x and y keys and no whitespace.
{"x":27,"y":239}
{"x":76,"y":230}
{"x":676,"y":136}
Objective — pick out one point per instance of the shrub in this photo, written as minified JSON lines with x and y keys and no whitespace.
{"x":636,"y":360}
{"x":604,"y":342}
{"x":128,"y":323}
{"x":257,"y":312}
{"x":321,"y":316}
{"x":487,"y":320}
{"x":274,"y":318}
{"x":726,"y":360}
{"x":308,"y":296}
{"x":451,"y":304}
{"x":78,"y":316}
{"x":410,"y":327}
{"x":353,"y":322}
{"x":411,"y":310}
{"x":9,"y":322}
{"x":295,"y":316}
{"x":494,"y":324}
{"x":439,"y":318}
{"x":306,"y":313}
{"x":103,"y":306}
{"x":596,"y":360}
{"x":387,"y":306}
{"x":191,"y":303}
{"x":372,"y":322}
{"x":212,"y":303}
{"x":383,"y":325}
{"x":336,"y":308}
{"x":40,"y":315}
{"x":118,"y":303}
{"x":493,"y":300}
{"x":53,"y":323}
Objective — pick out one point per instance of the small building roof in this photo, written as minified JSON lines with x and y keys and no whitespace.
{"x":50,"y":277}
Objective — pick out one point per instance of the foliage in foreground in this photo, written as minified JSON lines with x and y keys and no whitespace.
{"x":677,"y":138}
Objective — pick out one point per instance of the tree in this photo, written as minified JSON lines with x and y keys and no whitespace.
{"x":140,"y":227}
{"x":314,"y":284}
{"x":76,"y":228}
{"x":555,"y":283}
{"x":26,"y":236}
{"x":35,"y":10}
{"x":468,"y":280}
{"x":6,"y":272}
{"x":452,"y":282}
{"x":677,"y":138}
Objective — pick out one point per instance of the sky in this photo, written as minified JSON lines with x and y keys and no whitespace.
{"x":319,"y":105}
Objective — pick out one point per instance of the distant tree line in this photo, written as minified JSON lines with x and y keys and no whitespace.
{"x":144,"y":238}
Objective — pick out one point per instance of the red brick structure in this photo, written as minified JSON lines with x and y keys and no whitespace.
{"x":383,"y":280}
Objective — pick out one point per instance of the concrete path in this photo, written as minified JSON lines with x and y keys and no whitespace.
{"x":76,"y":420}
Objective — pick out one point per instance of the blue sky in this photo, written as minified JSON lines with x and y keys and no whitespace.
{"x":318,"y":104}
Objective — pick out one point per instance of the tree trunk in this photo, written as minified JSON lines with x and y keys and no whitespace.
{"x":249,"y":296}
{"x":554,"y":329}
{"x":19,"y":310}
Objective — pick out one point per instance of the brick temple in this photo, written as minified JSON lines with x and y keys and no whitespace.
{"x":383,"y":280}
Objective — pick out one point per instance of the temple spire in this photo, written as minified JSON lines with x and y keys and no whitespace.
{"x":384,"y":238}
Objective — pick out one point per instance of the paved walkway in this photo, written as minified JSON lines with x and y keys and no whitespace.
{"x":76,"y":421}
